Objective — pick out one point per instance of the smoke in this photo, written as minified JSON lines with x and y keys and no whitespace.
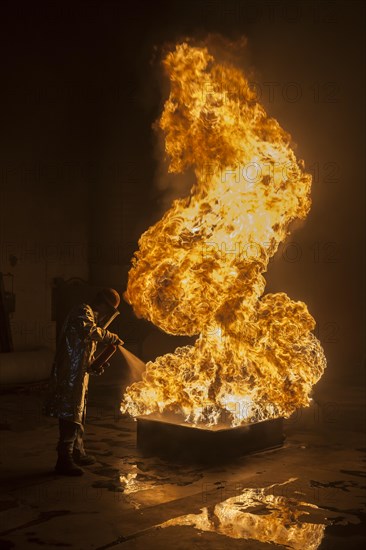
{"x":170,"y":186}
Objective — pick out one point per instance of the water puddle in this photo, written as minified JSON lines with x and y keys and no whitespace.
{"x":134,"y":476}
{"x":259,"y":515}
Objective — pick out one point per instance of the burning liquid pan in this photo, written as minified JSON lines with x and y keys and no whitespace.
{"x":166,"y":438}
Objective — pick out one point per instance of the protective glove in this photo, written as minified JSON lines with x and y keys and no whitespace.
{"x":116,"y":340}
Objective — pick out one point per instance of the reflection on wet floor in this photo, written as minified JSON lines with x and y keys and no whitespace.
{"x":133,"y":482}
{"x":259,"y":515}
{"x":135,"y":475}
{"x":246,"y":503}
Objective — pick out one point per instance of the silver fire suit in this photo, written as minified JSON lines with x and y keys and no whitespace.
{"x":68,"y":387}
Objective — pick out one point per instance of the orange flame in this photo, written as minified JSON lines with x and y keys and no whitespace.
{"x":198,"y":270}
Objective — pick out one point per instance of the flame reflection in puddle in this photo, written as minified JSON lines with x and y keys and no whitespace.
{"x":132,"y":484}
{"x":259,"y":515}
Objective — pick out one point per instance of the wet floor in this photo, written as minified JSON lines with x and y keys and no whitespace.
{"x":306,"y":495}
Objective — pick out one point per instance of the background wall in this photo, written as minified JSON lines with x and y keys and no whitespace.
{"x":81,"y":89}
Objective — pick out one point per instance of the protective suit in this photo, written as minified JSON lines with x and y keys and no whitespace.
{"x":75,"y":351}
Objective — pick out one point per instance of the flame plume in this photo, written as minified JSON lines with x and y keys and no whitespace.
{"x":198,"y":270}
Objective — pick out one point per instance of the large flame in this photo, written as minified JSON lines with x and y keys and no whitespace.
{"x":198,"y":270}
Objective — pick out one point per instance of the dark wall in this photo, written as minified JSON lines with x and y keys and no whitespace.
{"x":81,"y":91}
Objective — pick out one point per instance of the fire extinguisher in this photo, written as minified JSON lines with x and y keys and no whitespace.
{"x":97,"y":366}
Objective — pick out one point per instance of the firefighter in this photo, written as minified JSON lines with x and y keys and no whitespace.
{"x":84,"y":327}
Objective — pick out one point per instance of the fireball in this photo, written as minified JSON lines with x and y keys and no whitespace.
{"x":199,"y":270}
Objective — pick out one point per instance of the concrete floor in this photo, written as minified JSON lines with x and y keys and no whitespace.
{"x":308,"y":494}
